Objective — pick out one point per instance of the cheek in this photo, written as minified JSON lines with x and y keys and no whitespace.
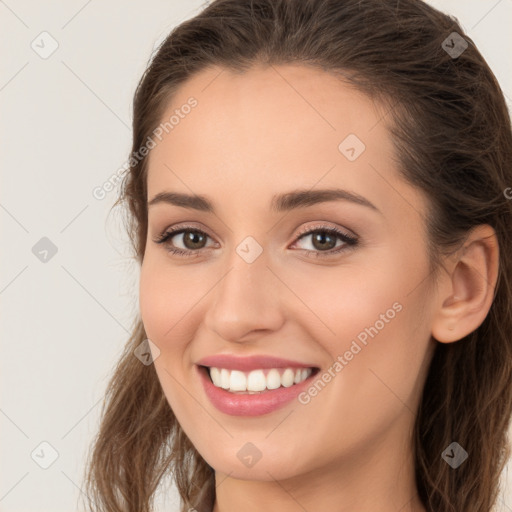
{"x":374,"y":317}
{"x":343,"y":301}
{"x":379,"y":340}
{"x":166,"y":300}
{"x":153,"y":297}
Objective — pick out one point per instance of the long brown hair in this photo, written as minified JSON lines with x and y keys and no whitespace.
{"x":451,"y":129}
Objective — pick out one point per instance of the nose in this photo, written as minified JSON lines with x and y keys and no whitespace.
{"x":245,"y":302}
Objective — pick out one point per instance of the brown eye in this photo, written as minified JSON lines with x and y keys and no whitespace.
{"x":324,"y":240}
{"x":192,"y":240}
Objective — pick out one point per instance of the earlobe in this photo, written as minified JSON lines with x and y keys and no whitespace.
{"x":467,"y":291}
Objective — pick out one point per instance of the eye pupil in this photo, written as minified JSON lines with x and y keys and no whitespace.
{"x":321,"y":237}
{"x":323,"y":241}
{"x":192,"y":236}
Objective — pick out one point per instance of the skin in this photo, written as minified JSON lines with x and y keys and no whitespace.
{"x":270,"y":131}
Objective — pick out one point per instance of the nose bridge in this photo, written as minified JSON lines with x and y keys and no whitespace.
{"x":243,"y":299}
{"x":246,"y":267}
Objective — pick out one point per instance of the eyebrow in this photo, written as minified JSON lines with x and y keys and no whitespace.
{"x":279,"y":203}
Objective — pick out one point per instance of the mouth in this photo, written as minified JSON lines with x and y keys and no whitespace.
{"x":257,"y":381}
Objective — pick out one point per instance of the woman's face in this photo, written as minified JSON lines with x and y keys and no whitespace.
{"x":267,"y":277}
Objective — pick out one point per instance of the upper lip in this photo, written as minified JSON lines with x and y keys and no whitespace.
{"x":255,"y":362}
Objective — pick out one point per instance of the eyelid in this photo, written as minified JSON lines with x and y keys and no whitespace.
{"x":350,"y":240}
{"x":325,"y":225}
{"x":306,"y":229}
{"x":175,"y":229}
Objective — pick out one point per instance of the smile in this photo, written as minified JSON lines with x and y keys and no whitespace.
{"x":256,"y":392}
{"x":259,"y":380}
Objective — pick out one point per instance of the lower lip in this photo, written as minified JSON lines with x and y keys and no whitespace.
{"x":256,"y":404}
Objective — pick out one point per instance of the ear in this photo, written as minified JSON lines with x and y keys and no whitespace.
{"x":466,"y":293}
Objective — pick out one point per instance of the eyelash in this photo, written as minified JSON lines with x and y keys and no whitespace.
{"x":349,"y":241}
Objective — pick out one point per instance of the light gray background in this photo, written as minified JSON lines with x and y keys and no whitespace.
{"x":65,"y":129}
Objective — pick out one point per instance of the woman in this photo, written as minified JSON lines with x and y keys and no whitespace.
{"x":318,"y":201}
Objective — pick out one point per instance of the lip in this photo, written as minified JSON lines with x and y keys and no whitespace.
{"x":246,"y":364}
{"x":240,"y":404}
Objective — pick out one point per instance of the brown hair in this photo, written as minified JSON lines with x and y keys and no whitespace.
{"x":451,"y":129}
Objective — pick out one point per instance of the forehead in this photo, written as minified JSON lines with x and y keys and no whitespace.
{"x":271,"y":108}
{"x":270,"y":129}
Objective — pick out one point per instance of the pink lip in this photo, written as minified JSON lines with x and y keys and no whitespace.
{"x":246,"y":364}
{"x":249,"y":405}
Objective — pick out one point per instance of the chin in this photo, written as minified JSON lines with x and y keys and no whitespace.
{"x":268,"y":467}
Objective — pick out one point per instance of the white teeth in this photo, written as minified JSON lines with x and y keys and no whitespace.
{"x":287,"y":378}
{"x":215,"y":375}
{"x":224,"y":379}
{"x":237,"y":381}
{"x":256,"y":380}
{"x":273,"y":379}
